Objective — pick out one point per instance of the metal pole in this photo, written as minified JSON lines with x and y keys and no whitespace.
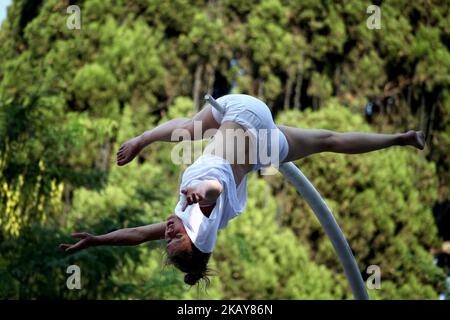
{"x":326,"y":218}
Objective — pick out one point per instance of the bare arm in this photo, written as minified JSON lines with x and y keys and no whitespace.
{"x":164,"y":131}
{"x":121,"y":237}
{"x":133,"y":236}
{"x":204,"y":120}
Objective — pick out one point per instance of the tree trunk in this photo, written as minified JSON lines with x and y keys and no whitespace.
{"x":288,"y":93}
{"x":210,"y":80}
{"x":409,"y":96}
{"x":298,"y":91}
{"x":337,"y":80}
{"x":423,"y":116}
{"x":197,"y":85}
{"x":67,"y":203}
{"x":102,"y":162}
{"x":431,"y":124}
{"x":260,"y":88}
{"x":315,"y":102}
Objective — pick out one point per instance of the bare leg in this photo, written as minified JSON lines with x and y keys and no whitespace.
{"x":303,"y":143}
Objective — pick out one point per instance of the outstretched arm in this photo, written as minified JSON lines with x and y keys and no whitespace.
{"x":121,"y":237}
{"x":165,"y":131}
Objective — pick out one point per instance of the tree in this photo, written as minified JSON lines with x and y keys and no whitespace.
{"x":69,"y":98}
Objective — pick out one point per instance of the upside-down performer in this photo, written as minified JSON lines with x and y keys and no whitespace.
{"x":213,"y":189}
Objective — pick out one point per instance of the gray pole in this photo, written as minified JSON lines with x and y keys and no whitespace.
{"x":326,"y":218}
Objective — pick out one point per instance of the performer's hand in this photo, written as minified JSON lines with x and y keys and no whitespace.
{"x":193,"y":195}
{"x":86,"y":240}
{"x":205,"y":193}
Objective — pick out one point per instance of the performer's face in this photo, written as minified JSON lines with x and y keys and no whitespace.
{"x":176,"y":236}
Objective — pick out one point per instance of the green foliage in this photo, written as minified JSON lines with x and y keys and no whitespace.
{"x":95,"y":86}
{"x":33,"y":267}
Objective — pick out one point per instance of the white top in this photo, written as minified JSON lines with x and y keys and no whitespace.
{"x":203,"y":230}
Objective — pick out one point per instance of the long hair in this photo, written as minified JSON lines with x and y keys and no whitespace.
{"x":194,"y":263}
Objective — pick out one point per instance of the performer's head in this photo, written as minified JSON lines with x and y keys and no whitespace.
{"x":183,"y":254}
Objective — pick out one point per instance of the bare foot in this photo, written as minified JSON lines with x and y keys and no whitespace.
{"x":415,"y":139}
{"x":128,"y":151}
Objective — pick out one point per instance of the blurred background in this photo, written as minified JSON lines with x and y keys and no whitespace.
{"x":70,"y":96}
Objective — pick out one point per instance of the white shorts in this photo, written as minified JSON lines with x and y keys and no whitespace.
{"x":255,"y":116}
